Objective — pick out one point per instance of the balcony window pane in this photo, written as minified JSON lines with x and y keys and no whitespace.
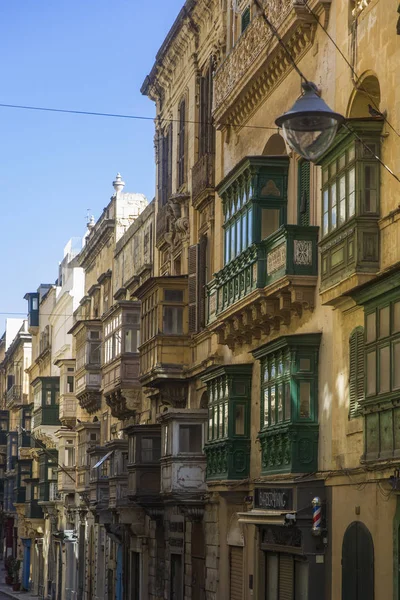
{"x":94,"y":353}
{"x":70,"y":384}
{"x":305,"y":364}
{"x":210,"y":426}
{"x":272,"y":404}
{"x":238,"y":237}
{"x":250,"y":226}
{"x":239,"y":419}
{"x":342,"y":199}
{"x":227,"y":247}
{"x":220,"y":421}
{"x":396,"y":365}
{"x":325,"y":221}
{"x":342,"y":161}
{"x":371,"y":373}
{"x":333,"y":206}
{"x":233,"y":241}
{"x":384,"y":322}
{"x":226,"y":419}
{"x":280,"y":403}
{"x":266,"y":408}
{"x":305,"y":399}
{"x":384,"y":369}
{"x":131,"y":340}
{"x":48,"y":397}
{"x":371,"y":327}
{"x":396,"y":317}
{"x":370,"y":199}
{"x":173,"y":320}
{"x":150,"y":449}
{"x":173,"y":295}
{"x":269,"y":221}
{"x":190,"y":438}
{"x":287,"y":402}
{"x":351,"y":192}
{"x":215,"y":422}
{"x":244,"y":230}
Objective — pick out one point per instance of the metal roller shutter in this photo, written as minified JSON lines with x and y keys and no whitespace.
{"x":286,"y":575}
{"x":236,"y":573}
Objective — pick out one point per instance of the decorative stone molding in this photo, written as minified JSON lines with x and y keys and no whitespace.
{"x":360,"y":5}
{"x":124,"y":403}
{"x":258,"y":63}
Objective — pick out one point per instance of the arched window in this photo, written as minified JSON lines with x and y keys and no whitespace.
{"x":181,"y":143}
{"x":356,"y":371}
{"x":366,"y":98}
{"x":357,"y":563}
{"x":275,"y":146}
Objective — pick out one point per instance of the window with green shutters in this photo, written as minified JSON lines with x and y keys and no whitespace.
{"x":245,"y":21}
{"x":304,"y":193}
{"x":356,"y":371}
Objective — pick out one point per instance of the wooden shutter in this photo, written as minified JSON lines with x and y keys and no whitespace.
{"x":206,"y":127}
{"x":193,"y":286}
{"x":236,"y":572}
{"x":202,"y":279}
{"x":304,"y":192}
{"x":356,"y":371}
{"x":286,"y":577}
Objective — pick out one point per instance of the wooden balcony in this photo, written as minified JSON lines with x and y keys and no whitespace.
{"x":68,"y":410}
{"x":144,"y":464}
{"x":66,"y":481}
{"x":164,"y":357}
{"x":203,"y":179}
{"x":45,"y":415}
{"x":14,"y":396}
{"x":264,"y":286}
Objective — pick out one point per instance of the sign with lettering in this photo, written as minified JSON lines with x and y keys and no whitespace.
{"x":273,"y":498}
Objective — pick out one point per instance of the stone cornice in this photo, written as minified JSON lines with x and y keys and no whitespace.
{"x":258,"y":63}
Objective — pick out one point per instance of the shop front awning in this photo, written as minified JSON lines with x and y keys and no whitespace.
{"x":263,"y":517}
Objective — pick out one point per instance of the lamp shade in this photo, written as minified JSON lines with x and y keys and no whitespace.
{"x":310,"y":126}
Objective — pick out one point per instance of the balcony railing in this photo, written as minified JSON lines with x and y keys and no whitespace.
{"x":14,"y":394}
{"x":202,"y":176}
{"x":290,"y":251}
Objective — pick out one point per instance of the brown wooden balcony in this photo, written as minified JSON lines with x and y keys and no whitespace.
{"x":144,"y":464}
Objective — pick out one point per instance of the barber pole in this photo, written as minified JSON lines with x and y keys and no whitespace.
{"x":316,"y":504}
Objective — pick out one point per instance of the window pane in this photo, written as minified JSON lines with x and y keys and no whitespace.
{"x":305,"y":364}
{"x":325,"y":221}
{"x":173,"y":319}
{"x":371,"y":373}
{"x":384,"y":322}
{"x":352,"y":193}
{"x":342,"y":161}
{"x":287,"y":401}
{"x":396,"y":317}
{"x":371,"y":327}
{"x":280,"y":403}
{"x":238,"y":238}
{"x":233,"y":241}
{"x":269,"y":221}
{"x":244,"y":230}
{"x":333,"y":206}
{"x":227,"y":247}
{"x":250,"y":226}
{"x":220,"y":421}
{"x":342,"y":197}
{"x":272,"y":404}
{"x":384,"y":369}
{"x":266,"y":408}
{"x":173,"y":295}
{"x":370,"y":203}
{"x":305,"y":399}
{"x":190,"y":438}
{"x":396,"y":365}
{"x":225,"y":419}
{"x":239,"y":419}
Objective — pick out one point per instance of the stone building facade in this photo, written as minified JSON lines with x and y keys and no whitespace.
{"x":228,"y":405}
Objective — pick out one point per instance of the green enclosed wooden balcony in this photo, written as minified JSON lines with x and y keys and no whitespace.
{"x":289,"y":404}
{"x":46,"y":415}
{"x":229,"y":400}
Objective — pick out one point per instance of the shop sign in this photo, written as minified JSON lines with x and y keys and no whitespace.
{"x":273,"y":498}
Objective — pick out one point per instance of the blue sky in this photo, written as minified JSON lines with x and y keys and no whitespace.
{"x":82,"y":55}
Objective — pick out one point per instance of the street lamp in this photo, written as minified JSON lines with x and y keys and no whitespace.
{"x":310,"y":125}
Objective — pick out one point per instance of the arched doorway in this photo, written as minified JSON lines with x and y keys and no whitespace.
{"x":357,"y":563}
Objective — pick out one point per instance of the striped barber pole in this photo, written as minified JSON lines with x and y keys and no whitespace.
{"x":316,"y":504}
